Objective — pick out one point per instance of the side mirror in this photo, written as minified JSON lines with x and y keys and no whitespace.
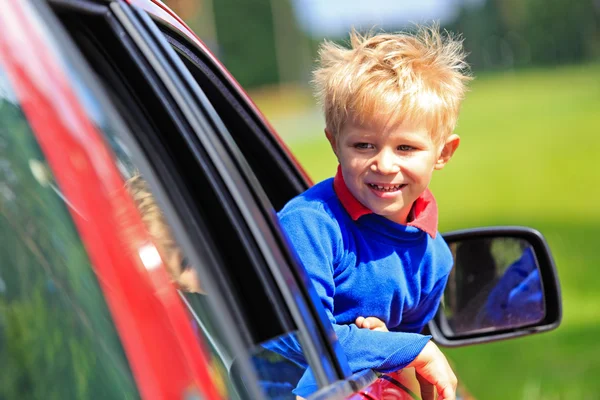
{"x":503,"y":285}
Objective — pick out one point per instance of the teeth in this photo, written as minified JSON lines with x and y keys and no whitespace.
{"x":386,"y":189}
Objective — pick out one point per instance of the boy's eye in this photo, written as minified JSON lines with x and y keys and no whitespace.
{"x":405,"y":147}
{"x":363,"y":146}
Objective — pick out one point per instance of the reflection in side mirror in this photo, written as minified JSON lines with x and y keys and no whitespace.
{"x":503,"y":284}
{"x":495,"y":284}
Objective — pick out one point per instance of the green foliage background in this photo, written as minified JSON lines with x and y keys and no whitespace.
{"x":530,"y":144}
{"x":499,"y":34}
{"x":246,"y":40}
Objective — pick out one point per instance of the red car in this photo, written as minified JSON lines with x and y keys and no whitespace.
{"x":95,"y":91}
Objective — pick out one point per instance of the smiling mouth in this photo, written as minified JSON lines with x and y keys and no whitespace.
{"x":386,"y":188}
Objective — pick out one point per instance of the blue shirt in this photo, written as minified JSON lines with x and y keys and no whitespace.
{"x":370,"y":267}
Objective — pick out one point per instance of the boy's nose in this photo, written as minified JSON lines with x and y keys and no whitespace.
{"x":386,"y":163}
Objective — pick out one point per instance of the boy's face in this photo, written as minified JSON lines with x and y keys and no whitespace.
{"x":387,"y":168}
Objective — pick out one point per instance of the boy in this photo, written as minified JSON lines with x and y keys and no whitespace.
{"x":368,"y":237}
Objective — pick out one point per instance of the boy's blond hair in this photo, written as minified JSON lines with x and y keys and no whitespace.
{"x":393,"y":78}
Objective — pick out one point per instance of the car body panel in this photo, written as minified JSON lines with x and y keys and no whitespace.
{"x":145,"y":306}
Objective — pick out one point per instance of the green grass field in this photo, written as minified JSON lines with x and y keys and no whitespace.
{"x":529,"y":156}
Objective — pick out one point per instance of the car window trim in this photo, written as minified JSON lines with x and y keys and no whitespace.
{"x":326,"y":365}
{"x":199,"y":128}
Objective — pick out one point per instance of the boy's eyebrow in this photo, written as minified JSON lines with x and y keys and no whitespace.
{"x":362,"y":134}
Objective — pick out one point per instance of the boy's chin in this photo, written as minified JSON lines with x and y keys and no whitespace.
{"x":393,"y":214}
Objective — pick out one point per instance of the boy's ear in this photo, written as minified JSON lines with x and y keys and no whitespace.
{"x":448,"y":150}
{"x":332,"y":140}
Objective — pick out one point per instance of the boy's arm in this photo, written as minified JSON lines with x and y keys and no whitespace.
{"x":317,"y":242}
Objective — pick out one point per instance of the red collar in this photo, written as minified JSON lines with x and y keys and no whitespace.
{"x":424,"y":208}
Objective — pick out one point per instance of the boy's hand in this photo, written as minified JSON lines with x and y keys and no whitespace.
{"x":432,"y":368}
{"x":372,"y":323}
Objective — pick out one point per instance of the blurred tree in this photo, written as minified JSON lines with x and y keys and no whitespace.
{"x":258,"y":41}
{"x":515,"y":33}
{"x":561,"y":32}
{"x":246,"y":41}
{"x":482,"y":28}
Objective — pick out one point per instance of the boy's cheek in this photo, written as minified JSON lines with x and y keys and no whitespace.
{"x":359,"y":160}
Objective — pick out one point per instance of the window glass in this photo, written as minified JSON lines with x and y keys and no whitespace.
{"x":280,"y":362}
{"x":57,"y":338}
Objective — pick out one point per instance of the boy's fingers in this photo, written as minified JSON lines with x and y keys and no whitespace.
{"x":447,"y":388}
{"x":372,"y":323}
{"x":448,"y":394}
{"x":359,"y":322}
{"x":433,"y":366}
{"x":376,"y":324}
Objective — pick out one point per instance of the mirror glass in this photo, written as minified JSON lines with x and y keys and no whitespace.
{"x":495,"y":284}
